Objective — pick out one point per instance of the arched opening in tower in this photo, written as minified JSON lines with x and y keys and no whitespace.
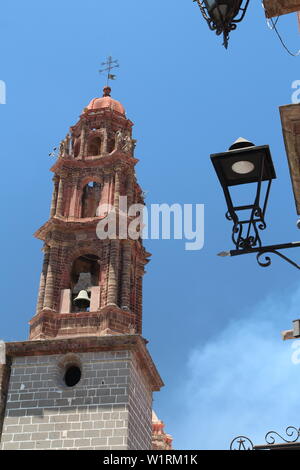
{"x":90,"y":200}
{"x":85,"y":274}
{"x":94,"y":147}
{"x":76,"y":148}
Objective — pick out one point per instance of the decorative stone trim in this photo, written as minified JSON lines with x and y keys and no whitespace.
{"x":50,"y":324}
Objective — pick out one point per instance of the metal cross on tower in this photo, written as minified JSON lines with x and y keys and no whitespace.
{"x":110,"y":64}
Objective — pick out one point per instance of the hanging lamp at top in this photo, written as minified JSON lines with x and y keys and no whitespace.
{"x":222,"y":15}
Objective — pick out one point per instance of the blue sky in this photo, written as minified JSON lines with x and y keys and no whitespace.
{"x":213,"y":324}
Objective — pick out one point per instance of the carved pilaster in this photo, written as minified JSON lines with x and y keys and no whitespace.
{"x":102,"y":134}
{"x":60,"y":197}
{"x":126,"y":269}
{"x":82,"y":142}
{"x":105,"y":139}
{"x":117,"y":192}
{"x":139,"y":302}
{"x":68,"y":196}
{"x":113,"y":274}
{"x":49,"y":287}
{"x":67,"y":146}
{"x":42,"y":286}
{"x":54,"y":197}
{"x":130,"y":189}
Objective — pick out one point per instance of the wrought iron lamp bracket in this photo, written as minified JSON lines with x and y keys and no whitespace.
{"x":267,"y":262}
{"x":264,"y":251}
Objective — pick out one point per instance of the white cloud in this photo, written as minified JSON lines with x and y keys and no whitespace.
{"x":242,"y":381}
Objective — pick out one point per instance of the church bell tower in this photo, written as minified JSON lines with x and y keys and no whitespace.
{"x":94,"y":168}
{"x":84,"y":379}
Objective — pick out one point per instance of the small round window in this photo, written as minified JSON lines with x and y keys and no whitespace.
{"x":72,"y":376}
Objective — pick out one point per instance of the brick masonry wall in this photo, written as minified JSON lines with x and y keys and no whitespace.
{"x":109,"y":409}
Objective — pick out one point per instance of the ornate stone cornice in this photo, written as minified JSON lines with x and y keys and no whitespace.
{"x":67,"y":225}
{"x":106,"y":115}
{"x":117,"y":157}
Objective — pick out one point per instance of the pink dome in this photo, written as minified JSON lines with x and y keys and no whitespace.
{"x":106,"y":102}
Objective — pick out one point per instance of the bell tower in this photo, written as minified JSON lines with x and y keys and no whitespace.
{"x":84,"y":379}
{"x":94,"y":168}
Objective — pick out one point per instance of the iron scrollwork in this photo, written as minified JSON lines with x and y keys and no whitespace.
{"x":263,"y":253}
{"x":246,"y":229}
{"x":244,"y":443}
{"x":245,"y":234}
{"x":268,"y":261}
{"x":241,"y":443}
{"x":291,"y":432}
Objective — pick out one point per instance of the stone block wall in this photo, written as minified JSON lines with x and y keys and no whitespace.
{"x":4,"y":380}
{"x":139,"y":410}
{"x":109,"y":409}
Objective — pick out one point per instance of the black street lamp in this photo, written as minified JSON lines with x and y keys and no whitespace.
{"x":244,"y":163}
{"x":221,"y":15}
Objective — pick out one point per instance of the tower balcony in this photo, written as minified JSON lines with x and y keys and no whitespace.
{"x":110,"y":320}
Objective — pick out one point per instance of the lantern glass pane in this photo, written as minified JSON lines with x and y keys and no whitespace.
{"x":210,"y":4}
{"x":243,"y":167}
{"x":220,"y":12}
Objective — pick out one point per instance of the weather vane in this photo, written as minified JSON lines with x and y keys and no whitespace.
{"x":110,"y":64}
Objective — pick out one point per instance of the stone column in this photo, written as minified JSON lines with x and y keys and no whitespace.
{"x":126,"y":271}
{"x":85,"y":143}
{"x":78,"y":198}
{"x":139,"y":299}
{"x":102,"y":137}
{"x":68,"y":196}
{"x":129,"y":190}
{"x":54,"y":197}
{"x":82,"y":142}
{"x":111,"y":190}
{"x":117,"y":192}
{"x":41,"y":293}
{"x":60,"y":197}
{"x":116,"y":200}
{"x":105,"y":139}
{"x":68,"y":146}
{"x":113,"y":274}
{"x":49,"y":287}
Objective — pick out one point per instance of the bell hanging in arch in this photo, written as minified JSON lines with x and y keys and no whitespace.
{"x":82,"y":301}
